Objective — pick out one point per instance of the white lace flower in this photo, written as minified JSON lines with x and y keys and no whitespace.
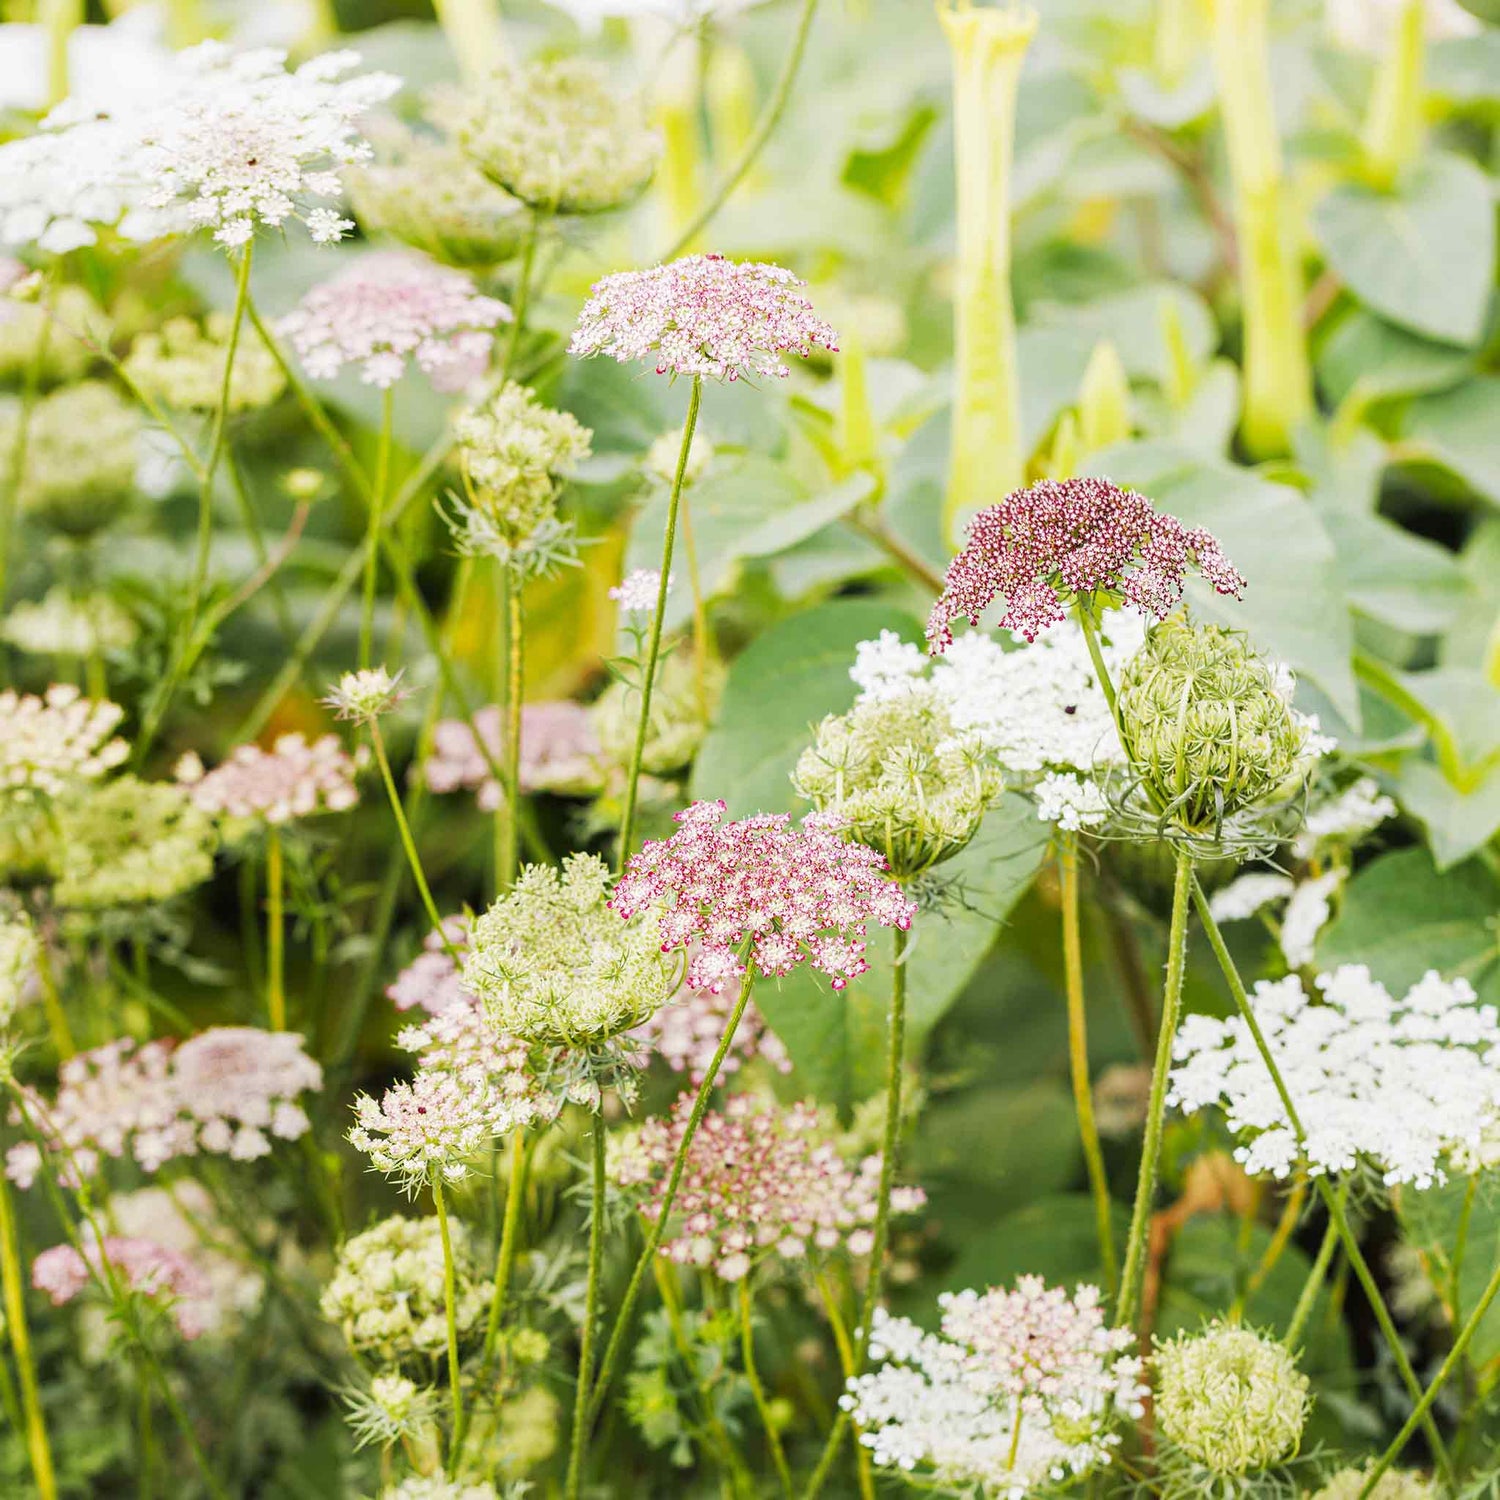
{"x":1248,"y":894}
{"x":1305,"y":916}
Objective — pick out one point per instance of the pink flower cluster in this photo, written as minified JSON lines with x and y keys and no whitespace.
{"x":559,"y":752}
{"x":759,"y":1177}
{"x":685,"y":1035}
{"x":1078,"y":536}
{"x":226,"y":1091}
{"x":702,"y":315}
{"x":290,"y":780}
{"x":389,"y":307}
{"x":795,"y":895}
{"x":1035,"y":1340}
{"x":432,"y":981}
{"x":146,"y":1268}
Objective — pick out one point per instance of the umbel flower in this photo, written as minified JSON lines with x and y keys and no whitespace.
{"x":786,"y":895}
{"x":181,"y":365}
{"x":1211,"y":732}
{"x":1019,"y":1390}
{"x":682,"y":707}
{"x":559,"y":752}
{"x":428,"y":194}
{"x":48,"y":743}
{"x":82,"y":451}
{"x":128,"y":843}
{"x":389,"y":307}
{"x":903,"y":779}
{"x":61,"y":623}
{"x":556,"y":136}
{"x":366,"y":694}
{"x":1231,"y":1399}
{"x":1043,"y":546}
{"x":386,"y":1293}
{"x":1394,"y":1484}
{"x":760,"y":1179}
{"x":293,"y":779}
{"x":435,"y":1487}
{"x":1406,"y":1086}
{"x":226,"y":1091}
{"x":703,"y":315}
{"x":148,"y":1269}
{"x":554,"y":966}
{"x":685,"y":1034}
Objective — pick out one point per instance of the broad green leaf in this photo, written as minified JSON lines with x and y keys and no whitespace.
{"x":1055,"y":1237}
{"x":1436,"y":1222}
{"x":837,"y":1039}
{"x":1423,"y":254}
{"x":1294,"y":604}
{"x":1401,"y":916}
{"x":1396,"y":577}
{"x":1459,"y":820}
{"x":1474,"y":639}
{"x":779,"y":688}
{"x":1383,"y":361}
{"x":1460,"y":429}
{"x":1466,"y":70}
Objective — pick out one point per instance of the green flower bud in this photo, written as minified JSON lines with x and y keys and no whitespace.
{"x":906,"y":782}
{"x":1394,"y":1484}
{"x":1230,"y":1399}
{"x":1209,"y":727}
{"x":181,"y":365}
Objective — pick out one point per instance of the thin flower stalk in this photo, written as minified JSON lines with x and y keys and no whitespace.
{"x":581,"y":1417}
{"x":1331,"y":1200}
{"x":758,"y":1390}
{"x":1128,"y":1303}
{"x":372,"y":530}
{"x":38,"y":1447}
{"x":1316,"y":1276}
{"x":1281,"y":1237}
{"x":505,"y":1259}
{"x":275,"y":929}
{"x":508,"y":814}
{"x":1078,"y":1053}
{"x":450,"y":1314}
{"x":653,"y":646}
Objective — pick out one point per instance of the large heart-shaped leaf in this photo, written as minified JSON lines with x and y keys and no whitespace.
{"x":1460,"y":429}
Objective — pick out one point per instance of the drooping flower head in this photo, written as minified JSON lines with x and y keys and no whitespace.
{"x":48,"y":743}
{"x":150,"y":1270}
{"x":293,"y":779}
{"x":793,"y":894}
{"x":1408,"y":1086}
{"x":1041,"y":546}
{"x":181,"y":365}
{"x":760,"y":1179}
{"x":386,"y":1293}
{"x":1230,"y":1399}
{"x":702,"y":315}
{"x":389,"y":307}
{"x":553,"y":965}
{"x":1018,"y":1391}
{"x":557,"y":136}
{"x":227,"y":1090}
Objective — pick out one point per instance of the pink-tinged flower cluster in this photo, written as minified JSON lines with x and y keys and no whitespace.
{"x":227,"y":1091}
{"x":47,"y":742}
{"x":760,"y":1177}
{"x":145,"y":1267}
{"x":559,"y":752}
{"x":795,"y":895}
{"x":292,"y":779}
{"x":1042,"y":545}
{"x":685,"y":1034}
{"x":636,"y":592}
{"x":432,"y":981}
{"x":702,"y":315}
{"x":391,"y":306}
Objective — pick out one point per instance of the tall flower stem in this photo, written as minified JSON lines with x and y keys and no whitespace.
{"x":373,"y":527}
{"x":758,"y":1391}
{"x":1331,"y":1200}
{"x":522,"y":295}
{"x":1450,"y":1364}
{"x":986,"y":457}
{"x":450,"y":1313}
{"x":1392,"y":134}
{"x":669,"y":1196}
{"x":702,"y":642}
{"x":1281,"y":1237}
{"x":508,"y":816}
{"x":505,"y":1258}
{"x":275,"y":930}
{"x":1128,"y":1303}
{"x":37,"y":1445}
{"x":765,"y":128}
{"x":653,"y":647}
{"x":1278,"y":380}
{"x":1078,"y":1053}
{"x":1316,"y":1276}
{"x":590,"y":1316}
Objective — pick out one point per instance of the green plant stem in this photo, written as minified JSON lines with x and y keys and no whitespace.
{"x":1330,"y":1199}
{"x":275,"y":930}
{"x":522,"y":303}
{"x":509,"y":814}
{"x":450,"y":1312}
{"x":1281,"y":1237}
{"x":250,"y":520}
{"x":1128,"y":1303}
{"x":145,"y":1456}
{"x":653,"y":647}
{"x":1316,"y":1276}
{"x":765,"y":127}
{"x":758,"y":1391}
{"x":1460,"y":1247}
{"x":1455,"y":1357}
{"x":373,"y":529}
{"x":57,"y":1017}
{"x":38,"y":1448}
{"x":505,"y":1259}
{"x":1078,"y":1054}
{"x":845,"y":1346}
{"x":579,"y":1442}
{"x":669,"y":1194}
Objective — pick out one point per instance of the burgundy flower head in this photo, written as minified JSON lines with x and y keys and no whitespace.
{"x":1077,"y":536}
{"x":799,"y":895}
